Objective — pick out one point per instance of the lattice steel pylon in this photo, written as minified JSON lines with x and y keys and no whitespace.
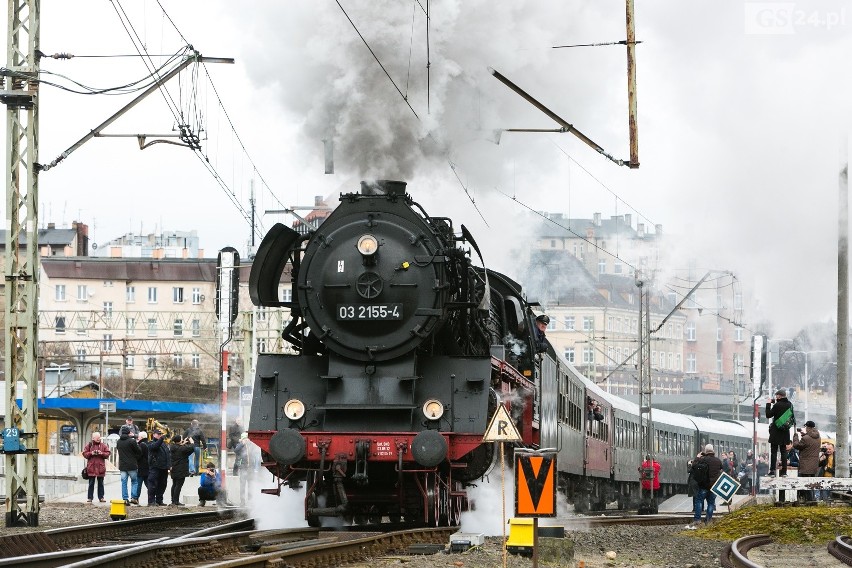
{"x":20,"y":95}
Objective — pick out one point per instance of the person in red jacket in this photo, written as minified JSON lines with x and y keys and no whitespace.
{"x":96,"y":452}
{"x":648,"y":465}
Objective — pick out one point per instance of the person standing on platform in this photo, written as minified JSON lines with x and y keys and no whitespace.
{"x":241,"y":465}
{"x":782,"y":418}
{"x":199,"y":442}
{"x":181,"y":449}
{"x":142,"y":473}
{"x":131,"y":426}
{"x":807,"y":442}
{"x":128,"y":462}
{"x":96,"y":452}
{"x":235,"y":430}
{"x":159,"y":463}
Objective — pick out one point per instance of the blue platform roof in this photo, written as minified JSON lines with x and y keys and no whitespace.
{"x":127,"y":406}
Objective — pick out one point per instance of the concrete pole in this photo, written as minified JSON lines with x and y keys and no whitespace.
{"x":842,"y":426}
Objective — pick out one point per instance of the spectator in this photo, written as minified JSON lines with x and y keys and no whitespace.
{"x":210,"y":486}
{"x":782,"y":418}
{"x":181,"y":449}
{"x":159,"y":463}
{"x":235,"y":430}
{"x":96,"y":452}
{"x":241,"y":465}
{"x":128,"y":461}
{"x":142,"y":473}
{"x":650,"y":471}
{"x":692,"y":491}
{"x":807,"y":444}
{"x":826,"y":468}
{"x":133,"y":427}
{"x":792,"y":453}
{"x":199,"y":443}
{"x":734,"y":462}
{"x":762,"y":470}
{"x":714,"y":470}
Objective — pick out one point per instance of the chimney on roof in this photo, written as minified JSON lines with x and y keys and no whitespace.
{"x":659,"y":230}
{"x":318,"y":200}
{"x":628,"y":220}
{"x":82,"y":231}
{"x":597,"y":221}
{"x":640,"y":230}
{"x":51,"y":226}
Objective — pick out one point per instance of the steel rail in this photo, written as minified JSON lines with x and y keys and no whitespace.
{"x":735,"y":554}
{"x":841,"y":548}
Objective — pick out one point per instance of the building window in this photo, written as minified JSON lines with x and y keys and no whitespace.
{"x":719,"y":363}
{"x":107,"y":342}
{"x":130,"y":293}
{"x":551,"y":325}
{"x":738,"y":301}
{"x":82,"y":293}
{"x":130,"y":326}
{"x":588,"y":354}
{"x":82,"y":325}
{"x":196,"y":295}
{"x":678,"y":363}
{"x":81,"y":354}
{"x":196,"y":360}
{"x":609,"y":323}
{"x":569,"y":354}
{"x":108,"y":283}
{"x":653,"y":358}
{"x":178,"y":329}
{"x":196,"y":328}
{"x":601,"y":267}
{"x":690,"y":331}
{"x":177,"y":295}
{"x":671,"y":360}
{"x":60,"y":292}
{"x":261,"y":313}
{"x":691,"y":363}
{"x":569,"y":323}
{"x":738,"y":334}
{"x":152,"y":294}
{"x":588,"y":323}
{"x":261,"y":346}
{"x":152,"y":327}
{"x":177,"y":360}
{"x":616,"y":267}
{"x":60,"y":325}
{"x":151,"y":361}
{"x":129,"y":361}
{"x":287,"y":295}
{"x":107,"y":309}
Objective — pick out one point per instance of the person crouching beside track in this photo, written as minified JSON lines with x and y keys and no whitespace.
{"x":210,"y":486}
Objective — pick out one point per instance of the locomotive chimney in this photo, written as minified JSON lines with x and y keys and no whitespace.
{"x":383,"y":187}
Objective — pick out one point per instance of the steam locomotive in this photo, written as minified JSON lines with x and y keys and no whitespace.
{"x":404,"y":348}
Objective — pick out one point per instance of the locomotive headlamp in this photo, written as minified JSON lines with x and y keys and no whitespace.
{"x":294,"y":409}
{"x":433,"y":409}
{"x":368,"y":245}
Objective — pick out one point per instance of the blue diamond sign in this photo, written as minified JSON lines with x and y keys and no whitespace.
{"x":725,"y":487}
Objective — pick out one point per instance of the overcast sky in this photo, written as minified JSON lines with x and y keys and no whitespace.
{"x":742,"y":109}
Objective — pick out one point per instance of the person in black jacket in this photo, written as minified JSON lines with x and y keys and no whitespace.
{"x":128,"y":461}
{"x":781,"y":418}
{"x":142,"y":473}
{"x":714,"y":470}
{"x":541,"y":342}
{"x":181,"y":448}
{"x":159,"y":463}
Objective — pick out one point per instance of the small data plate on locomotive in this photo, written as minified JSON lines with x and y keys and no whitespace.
{"x":369,"y":312}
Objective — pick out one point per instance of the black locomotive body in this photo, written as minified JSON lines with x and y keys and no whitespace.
{"x":382,"y":411}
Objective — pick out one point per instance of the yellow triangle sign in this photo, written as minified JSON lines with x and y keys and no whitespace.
{"x":501,"y":428}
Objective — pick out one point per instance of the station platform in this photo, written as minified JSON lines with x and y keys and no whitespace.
{"x":682,"y":503}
